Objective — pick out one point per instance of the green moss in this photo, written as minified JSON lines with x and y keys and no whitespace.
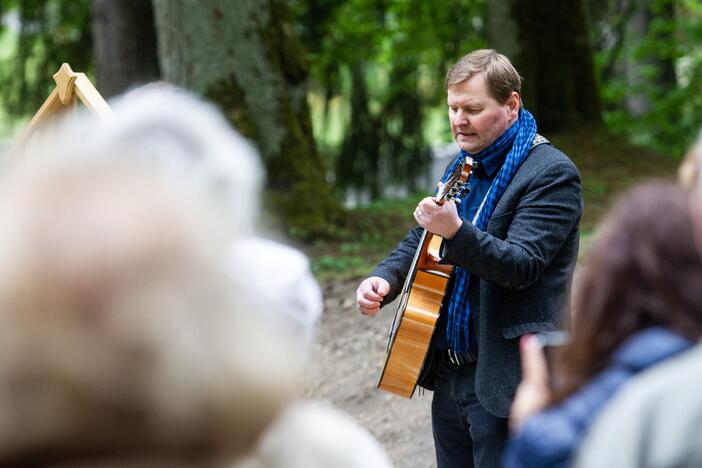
{"x":297,"y":190}
{"x":230,"y":98}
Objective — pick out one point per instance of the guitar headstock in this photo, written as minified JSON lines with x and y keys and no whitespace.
{"x":455,"y":185}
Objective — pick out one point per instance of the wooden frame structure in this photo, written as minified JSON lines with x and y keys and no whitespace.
{"x":70,"y":87}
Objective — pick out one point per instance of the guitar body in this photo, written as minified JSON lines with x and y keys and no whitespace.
{"x":420,"y":303}
{"x":415,"y":321}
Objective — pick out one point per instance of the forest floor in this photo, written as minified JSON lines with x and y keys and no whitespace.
{"x":349,"y":350}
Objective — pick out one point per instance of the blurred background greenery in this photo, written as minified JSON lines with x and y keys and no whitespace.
{"x":345,"y":98}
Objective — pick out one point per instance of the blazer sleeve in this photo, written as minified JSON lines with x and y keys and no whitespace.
{"x":544,"y":216}
{"x":396,"y":265}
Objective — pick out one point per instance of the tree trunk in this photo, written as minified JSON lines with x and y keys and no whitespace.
{"x":665,"y":61}
{"x":653,"y":70}
{"x":125,"y":44}
{"x":358,"y":165}
{"x":555,"y":59}
{"x":404,"y":131}
{"x":501,"y":28}
{"x":245,"y":58}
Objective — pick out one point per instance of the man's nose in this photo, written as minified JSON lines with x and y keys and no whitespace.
{"x":460,"y":119}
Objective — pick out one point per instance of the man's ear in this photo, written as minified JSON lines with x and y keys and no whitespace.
{"x":514,"y":103}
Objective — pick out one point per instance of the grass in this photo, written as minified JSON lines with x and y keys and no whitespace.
{"x":370,"y":233}
{"x":608,"y":166}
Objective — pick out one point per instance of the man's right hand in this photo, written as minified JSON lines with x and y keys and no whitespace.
{"x":370,"y":294}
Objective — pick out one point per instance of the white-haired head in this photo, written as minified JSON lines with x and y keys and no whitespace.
{"x":185,"y":142}
{"x":189,"y":138}
{"x":120,"y":333}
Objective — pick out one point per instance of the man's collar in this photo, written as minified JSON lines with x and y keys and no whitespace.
{"x":492,"y":163}
{"x":491,"y":158}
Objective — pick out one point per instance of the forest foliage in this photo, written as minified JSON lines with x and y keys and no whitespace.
{"x":649,"y":62}
{"x":376,"y":70}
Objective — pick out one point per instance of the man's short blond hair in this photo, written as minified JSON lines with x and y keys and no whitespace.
{"x":500,"y":75}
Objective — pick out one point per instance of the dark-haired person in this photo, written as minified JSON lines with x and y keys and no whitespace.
{"x":639,"y":303}
{"x":514,"y":241}
{"x":656,"y":420}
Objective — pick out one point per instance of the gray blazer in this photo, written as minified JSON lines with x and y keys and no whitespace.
{"x":524,"y":262}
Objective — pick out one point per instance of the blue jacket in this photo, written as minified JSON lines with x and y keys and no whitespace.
{"x":550,"y":438}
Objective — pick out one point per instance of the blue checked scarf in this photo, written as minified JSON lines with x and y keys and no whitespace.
{"x":519,"y":136}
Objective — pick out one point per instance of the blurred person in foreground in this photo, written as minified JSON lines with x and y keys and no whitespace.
{"x":514,"y":243}
{"x":315,"y":435}
{"x":122,"y":342}
{"x":180,"y":142}
{"x":182,"y":138}
{"x":176,"y":132}
{"x":178,"y":136}
{"x":639,"y":304}
{"x":656,"y":420}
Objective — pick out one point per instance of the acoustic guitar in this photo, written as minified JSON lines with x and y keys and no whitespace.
{"x":420,"y":302}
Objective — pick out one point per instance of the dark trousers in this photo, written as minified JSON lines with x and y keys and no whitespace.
{"x":465,"y":433}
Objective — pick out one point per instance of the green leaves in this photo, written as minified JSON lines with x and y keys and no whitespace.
{"x":652,"y":96}
{"x":385,"y":61}
{"x":37,"y":37}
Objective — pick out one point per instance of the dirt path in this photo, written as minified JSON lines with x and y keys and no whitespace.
{"x":345,"y":361}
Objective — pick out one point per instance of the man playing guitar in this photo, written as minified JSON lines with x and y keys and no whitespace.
{"x":513,"y":241}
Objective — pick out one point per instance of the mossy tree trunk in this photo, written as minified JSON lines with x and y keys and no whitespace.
{"x":245,"y":58}
{"x":554,"y":55}
{"x":501,"y":28}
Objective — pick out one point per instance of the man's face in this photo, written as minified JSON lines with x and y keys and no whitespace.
{"x":476,"y":118}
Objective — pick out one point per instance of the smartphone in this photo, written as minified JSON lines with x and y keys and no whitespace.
{"x":553,"y":338}
{"x":552,"y":343}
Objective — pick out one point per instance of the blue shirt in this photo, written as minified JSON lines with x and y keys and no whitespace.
{"x":481,"y":177}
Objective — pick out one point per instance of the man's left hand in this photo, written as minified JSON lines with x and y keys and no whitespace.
{"x":438,"y":219}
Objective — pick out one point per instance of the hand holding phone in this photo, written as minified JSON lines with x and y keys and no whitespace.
{"x":533,"y":393}
{"x":552,"y":343}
